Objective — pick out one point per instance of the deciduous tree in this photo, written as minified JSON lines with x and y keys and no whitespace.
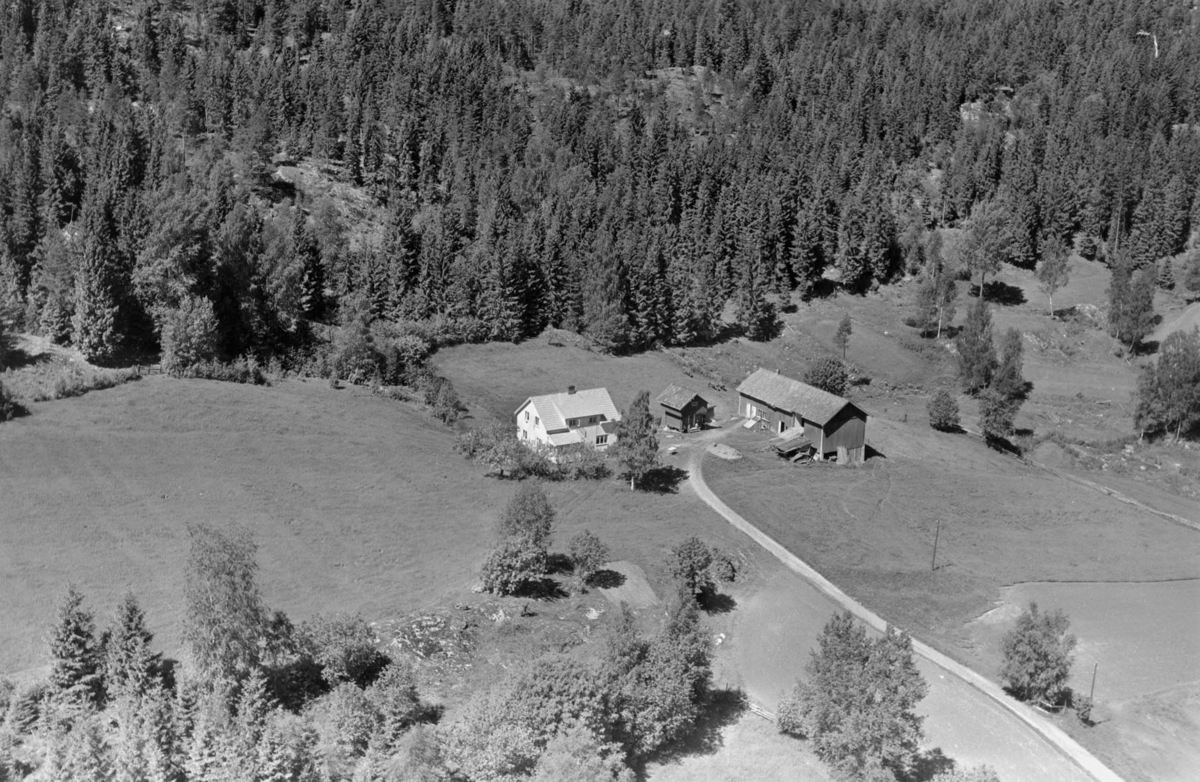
{"x":856,"y":703}
{"x":1169,"y":390}
{"x":588,"y":555}
{"x":1038,"y":656}
{"x":1054,"y":271}
{"x":842,"y":338}
{"x":943,"y":411}
{"x":828,"y":374}
{"x":224,"y":616}
{"x":976,"y":351}
{"x":637,"y":443}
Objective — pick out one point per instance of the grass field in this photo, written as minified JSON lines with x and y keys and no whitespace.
{"x":357,"y":503}
{"x":871,"y":530}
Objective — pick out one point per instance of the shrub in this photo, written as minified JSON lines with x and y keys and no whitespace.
{"x":344,"y":646}
{"x":1037,"y":656}
{"x":26,"y":708}
{"x":514,"y":567}
{"x":828,"y":374}
{"x":943,"y":411}
{"x":588,"y":554}
{"x":189,"y":334}
{"x":723,"y":569}
{"x":9,"y":408}
{"x":243,"y":370}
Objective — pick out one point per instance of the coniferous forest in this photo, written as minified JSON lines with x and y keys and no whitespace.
{"x":623,"y":168}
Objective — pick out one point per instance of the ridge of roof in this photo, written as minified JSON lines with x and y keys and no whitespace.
{"x":785,"y":393}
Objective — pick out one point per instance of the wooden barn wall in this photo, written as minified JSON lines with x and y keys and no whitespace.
{"x":671,"y":418}
{"x":846,"y":430}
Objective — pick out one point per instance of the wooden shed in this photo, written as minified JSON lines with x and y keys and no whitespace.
{"x":683,"y":409}
{"x":829,"y":422}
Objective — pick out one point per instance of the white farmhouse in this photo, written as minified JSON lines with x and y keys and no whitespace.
{"x":563,"y":419}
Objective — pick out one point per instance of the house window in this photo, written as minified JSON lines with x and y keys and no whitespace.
{"x":527,"y":416}
{"x":592,"y":420}
{"x":601,"y":439}
{"x":536,"y":420}
{"x":572,"y":422}
{"x":781,"y":425}
{"x":524,"y":434}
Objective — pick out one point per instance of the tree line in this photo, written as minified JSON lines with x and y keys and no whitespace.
{"x":620,"y":168}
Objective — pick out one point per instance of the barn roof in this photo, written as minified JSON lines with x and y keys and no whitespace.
{"x":783,"y":393}
{"x":555,"y":409}
{"x":677,"y":397}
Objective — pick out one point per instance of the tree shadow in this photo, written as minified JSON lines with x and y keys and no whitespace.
{"x":714,"y":602}
{"x":929,"y":764}
{"x":999,"y":292}
{"x":721,"y":708}
{"x":559,"y":564}
{"x":606,"y":579}
{"x":17,"y":359}
{"x":1002,"y":444}
{"x":663,"y":480}
{"x":1145,"y":347}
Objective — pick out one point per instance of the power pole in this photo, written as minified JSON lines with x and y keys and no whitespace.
{"x":1092,"y":694}
{"x":936,"y":535}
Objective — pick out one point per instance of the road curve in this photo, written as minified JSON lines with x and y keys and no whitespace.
{"x":1055,"y":736}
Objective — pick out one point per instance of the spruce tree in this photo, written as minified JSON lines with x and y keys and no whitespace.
{"x":129,"y":665}
{"x":94,"y":323}
{"x":1007,"y":379}
{"x":1165,"y":278}
{"x":976,"y":352}
{"x":637,"y":443}
{"x":1191,"y":277}
{"x":75,"y":665}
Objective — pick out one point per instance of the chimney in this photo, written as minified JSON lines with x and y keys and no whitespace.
{"x":570,"y":389}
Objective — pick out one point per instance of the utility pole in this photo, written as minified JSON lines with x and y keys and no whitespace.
{"x":1092,"y":694}
{"x":936,"y":535}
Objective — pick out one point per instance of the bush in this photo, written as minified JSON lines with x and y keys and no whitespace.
{"x":189,"y":334}
{"x":1037,"y":657}
{"x":26,"y":708}
{"x":723,"y":569}
{"x":943,"y":411}
{"x":243,"y":370}
{"x":588,"y":554}
{"x":514,"y":567}
{"x":690,"y":564}
{"x":344,"y":646}
{"x":9,"y":408}
{"x":828,"y":374}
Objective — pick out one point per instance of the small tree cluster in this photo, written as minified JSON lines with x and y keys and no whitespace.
{"x":344,"y":646}
{"x":936,"y":299}
{"x":828,"y":374}
{"x":498,"y":447}
{"x":1038,"y":656}
{"x":943,"y":411}
{"x":188,"y":334}
{"x":1191,"y":273}
{"x":443,"y":400}
{"x":520,"y":560}
{"x":637,"y":442}
{"x":1130,"y":303}
{"x":856,"y":703}
{"x":998,"y":383}
{"x":1168,"y":395}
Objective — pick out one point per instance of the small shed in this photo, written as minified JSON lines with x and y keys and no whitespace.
{"x":831,"y":424}
{"x":683,"y":409}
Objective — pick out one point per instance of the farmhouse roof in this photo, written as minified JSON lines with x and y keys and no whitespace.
{"x":783,"y":393}
{"x":677,"y":397}
{"x":556,"y":409}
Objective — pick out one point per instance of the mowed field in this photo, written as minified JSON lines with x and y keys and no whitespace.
{"x":357,"y":504}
